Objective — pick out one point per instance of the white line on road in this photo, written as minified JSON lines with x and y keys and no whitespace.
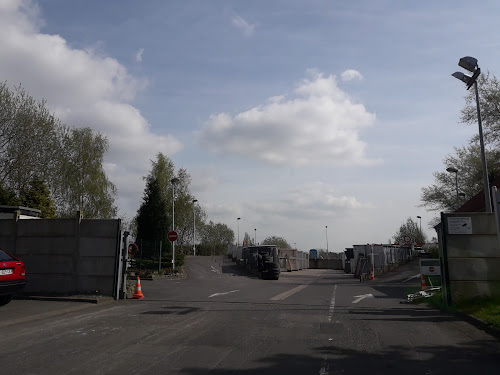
{"x":214,"y":270}
{"x":411,"y":277}
{"x":332,"y":303}
{"x":288,"y":293}
{"x":221,"y":294}
{"x":361,"y":297}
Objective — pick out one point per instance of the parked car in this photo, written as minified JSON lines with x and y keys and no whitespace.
{"x":12,"y":276}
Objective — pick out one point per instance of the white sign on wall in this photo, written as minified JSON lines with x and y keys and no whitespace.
{"x":430,"y":267}
{"x":460,"y":225}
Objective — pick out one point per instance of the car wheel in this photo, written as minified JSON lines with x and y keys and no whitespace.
{"x":5,"y":299}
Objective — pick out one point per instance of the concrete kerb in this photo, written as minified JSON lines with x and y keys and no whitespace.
{"x":478,"y":323}
{"x":83,"y":299}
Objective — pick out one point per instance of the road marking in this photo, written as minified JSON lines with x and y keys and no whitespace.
{"x":288,"y":293}
{"x":214,"y":270}
{"x":222,"y":294}
{"x":361,"y":297}
{"x":411,"y":277}
{"x":332,"y":303}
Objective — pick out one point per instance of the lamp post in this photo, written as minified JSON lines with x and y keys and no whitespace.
{"x":326,"y":228}
{"x":194,"y":228}
{"x":420,"y":217}
{"x":470,"y":64}
{"x":295,"y":245}
{"x":238,"y":223}
{"x":455,"y":170}
{"x":255,"y":237}
{"x":173,"y":181}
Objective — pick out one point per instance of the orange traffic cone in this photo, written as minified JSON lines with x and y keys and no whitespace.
{"x":424,"y":284}
{"x":138,"y":292}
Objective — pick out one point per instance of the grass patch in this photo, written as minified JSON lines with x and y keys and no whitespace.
{"x":486,"y":309}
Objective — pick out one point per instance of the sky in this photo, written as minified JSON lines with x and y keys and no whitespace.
{"x":318,"y":121}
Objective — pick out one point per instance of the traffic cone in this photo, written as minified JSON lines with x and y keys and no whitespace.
{"x":424,"y":285}
{"x":138,"y":292}
{"x":372,"y":274}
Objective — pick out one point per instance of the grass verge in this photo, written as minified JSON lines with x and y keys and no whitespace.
{"x":486,"y":309}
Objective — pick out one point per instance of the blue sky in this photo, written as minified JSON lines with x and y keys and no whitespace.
{"x":293,"y":115}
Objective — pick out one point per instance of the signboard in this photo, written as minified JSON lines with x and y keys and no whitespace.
{"x":430,"y":267}
{"x":459,"y":225}
{"x":172,"y":236}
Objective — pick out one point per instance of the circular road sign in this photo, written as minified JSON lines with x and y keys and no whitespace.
{"x":407,"y":239}
{"x":172,"y":236}
{"x":431,"y":269}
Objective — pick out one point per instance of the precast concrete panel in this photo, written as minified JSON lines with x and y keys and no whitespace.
{"x":46,"y":228}
{"x":95,"y":285}
{"x":475,"y":269}
{"x":99,"y":266}
{"x":98,"y":247}
{"x":47,"y":264}
{"x":473,"y":246}
{"x":56,"y":284}
{"x":98,"y":228}
{"x":45,"y":245}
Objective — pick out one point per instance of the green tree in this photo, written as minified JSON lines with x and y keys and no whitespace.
{"x":28,"y":139}
{"x":410,"y":229}
{"x":489,"y":102}
{"x":278,"y":241}
{"x":38,"y":196}
{"x":442,"y":195}
{"x":247,"y":240}
{"x":151,"y":219}
{"x":214,"y":238}
{"x":82,"y":183}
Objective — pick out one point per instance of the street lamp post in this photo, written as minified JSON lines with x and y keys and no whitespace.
{"x":326,"y":228}
{"x":455,"y":170}
{"x":194,"y":228}
{"x":173,"y":181}
{"x":420,"y":217}
{"x":470,"y":64}
{"x":238,"y":223}
{"x":255,"y":237}
{"x":295,"y":245}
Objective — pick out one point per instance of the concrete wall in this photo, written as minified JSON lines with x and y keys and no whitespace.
{"x":335,"y":264}
{"x":473,"y":259}
{"x":65,"y":256}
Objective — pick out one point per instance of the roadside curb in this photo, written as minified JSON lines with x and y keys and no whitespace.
{"x":99,"y":301}
{"x":478,"y":323}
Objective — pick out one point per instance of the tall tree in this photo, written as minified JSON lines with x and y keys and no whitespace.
{"x":489,"y":102}
{"x":151,"y":217}
{"x":410,"y":229}
{"x":442,"y":195}
{"x":28,"y":139}
{"x":38,"y":196}
{"x":82,"y":183}
{"x":278,"y":241}
{"x":247,"y":240}
{"x":215,"y":237}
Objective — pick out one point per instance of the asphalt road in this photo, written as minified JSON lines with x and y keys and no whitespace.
{"x":221,"y":321}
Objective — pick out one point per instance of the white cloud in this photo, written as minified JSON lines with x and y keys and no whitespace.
{"x":318,"y":124}
{"x":351,"y":74}
{"x":138,"y":56}
{"x":243,"y":25}
{"x":83,"y":88}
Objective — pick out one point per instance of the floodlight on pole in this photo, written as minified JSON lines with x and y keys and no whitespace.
{"x":173,"y":181}
{"x":194,"y":228}
{"x":238,"y":223}
{"x":470,"y":63}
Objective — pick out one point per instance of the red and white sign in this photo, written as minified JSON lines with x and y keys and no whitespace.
{"x":172,"y":236}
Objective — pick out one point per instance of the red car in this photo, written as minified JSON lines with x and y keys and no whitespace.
{"x":12,"y":276}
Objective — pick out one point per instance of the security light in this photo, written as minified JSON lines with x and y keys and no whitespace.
{"x":452,"y":170}
{"x":468,"y":63}
{"x":462,"y":77}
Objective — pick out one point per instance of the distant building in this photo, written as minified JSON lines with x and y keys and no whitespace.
{"x":7,"y":212}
